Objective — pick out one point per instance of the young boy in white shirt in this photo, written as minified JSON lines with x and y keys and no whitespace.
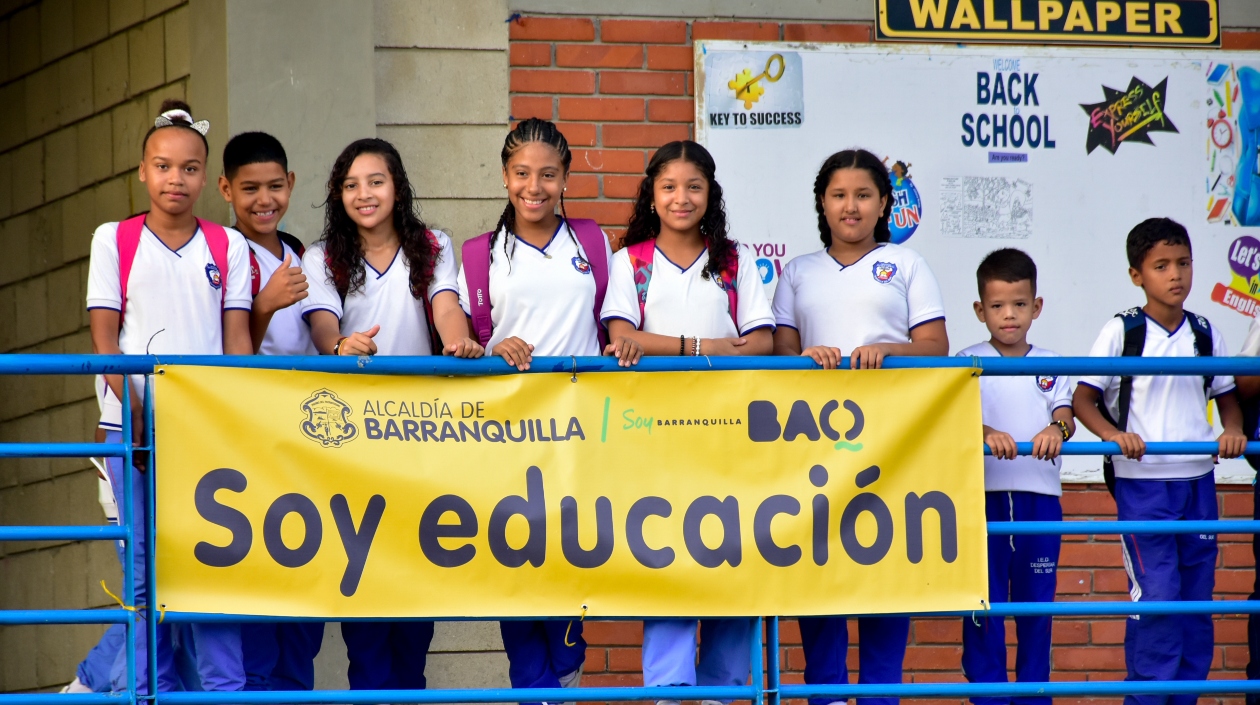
{"x":1166,"y":487}
{"x":1036,"y":409}
{"x":257,"y":182}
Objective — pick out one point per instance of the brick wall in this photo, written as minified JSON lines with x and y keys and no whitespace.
{"x":79,"y":82}
{"x":620,"y":88}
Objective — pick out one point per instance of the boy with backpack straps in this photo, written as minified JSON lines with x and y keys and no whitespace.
{"x":1177,"y":487}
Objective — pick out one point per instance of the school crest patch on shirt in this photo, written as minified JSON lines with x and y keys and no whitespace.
{"x":581,"y":265}
{"x":1045,"y":384}
{"x":883,"y":271}
{"x":212,"y":274}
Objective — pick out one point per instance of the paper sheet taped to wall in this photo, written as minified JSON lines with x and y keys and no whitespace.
{"x":986,"y":207}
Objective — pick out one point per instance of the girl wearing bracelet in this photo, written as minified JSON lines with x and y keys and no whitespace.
{"x":681,"y":287}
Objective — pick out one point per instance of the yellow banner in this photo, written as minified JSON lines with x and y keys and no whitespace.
{"x":624,"y":494}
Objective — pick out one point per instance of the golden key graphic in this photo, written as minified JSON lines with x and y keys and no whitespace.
{"x":745,"y":84}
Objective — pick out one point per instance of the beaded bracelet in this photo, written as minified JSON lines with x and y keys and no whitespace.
{"x":682,"y":345}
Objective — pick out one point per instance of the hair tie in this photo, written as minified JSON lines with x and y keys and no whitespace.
{"x":168,"y":118}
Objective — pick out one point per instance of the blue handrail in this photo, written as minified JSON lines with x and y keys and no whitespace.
{"x":32,"y":364}
{"x":773,"y":690}
{"x":115,"y":450}
{"x":108,"y":616}
{"x":63,"y":533}
{"x":62,"y":450}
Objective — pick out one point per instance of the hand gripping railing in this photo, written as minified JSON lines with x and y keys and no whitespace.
{"x":766,"y":685}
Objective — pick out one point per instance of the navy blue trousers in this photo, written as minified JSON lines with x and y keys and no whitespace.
{"x":280,"y":655}
{"x":539,"y":654}
{"x":387,"y":655}
{"x":881,"y":651}
{"x":1168,"y":567}
{"x":1021,"y":569}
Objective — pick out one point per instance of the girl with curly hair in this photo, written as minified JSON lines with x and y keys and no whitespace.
{"x":533,"y":286}
{"x":382,"y":282}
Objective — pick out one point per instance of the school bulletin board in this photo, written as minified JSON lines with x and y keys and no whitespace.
{"x":1057,"y":151}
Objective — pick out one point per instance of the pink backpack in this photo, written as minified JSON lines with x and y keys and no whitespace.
{"x":128,"y":239}
{"x":477,"y":275}
{"x":641,"y":256}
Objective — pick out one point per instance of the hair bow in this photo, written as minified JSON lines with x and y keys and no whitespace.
{"x":168,"y":118}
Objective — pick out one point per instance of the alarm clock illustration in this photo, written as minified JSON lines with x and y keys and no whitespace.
{"x":1222,"y":133}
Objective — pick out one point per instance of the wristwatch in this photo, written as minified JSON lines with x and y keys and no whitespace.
{"x":1063,"y":427}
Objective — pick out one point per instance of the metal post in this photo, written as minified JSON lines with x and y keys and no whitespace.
{"x":772,"y":655}
{"x":150,"y":479}
{"x":758,"y":668}
{"x":129,"y":553}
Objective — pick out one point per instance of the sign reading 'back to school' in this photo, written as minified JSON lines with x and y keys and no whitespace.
{"x":1153,"y":22}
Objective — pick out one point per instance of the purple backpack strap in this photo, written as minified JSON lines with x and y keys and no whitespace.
{"x":594,"y":243}
{"x":476,"y":253}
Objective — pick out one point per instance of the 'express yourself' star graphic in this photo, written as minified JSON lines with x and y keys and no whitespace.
{"x":1127,"y":116}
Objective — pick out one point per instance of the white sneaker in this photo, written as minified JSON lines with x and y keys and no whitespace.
{"x":76,"y":686}
{"x":668,"y":702}
{"x":711,"y":702}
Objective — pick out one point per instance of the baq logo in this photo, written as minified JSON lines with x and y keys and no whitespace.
{"x":883,"y":271}
{"x":327,"y":420}
{"x":212,"y":274}
{"x":907,"y":207}
{"x":581,"y":265}
{"x":1045,"y":384}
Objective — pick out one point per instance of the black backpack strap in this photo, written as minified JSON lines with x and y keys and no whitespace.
{"x":1133,"y":346}
{"x":1202,"y":343}
{"x":293,"y":243}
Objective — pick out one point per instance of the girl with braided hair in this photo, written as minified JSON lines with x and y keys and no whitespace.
{"x":534,"y":286}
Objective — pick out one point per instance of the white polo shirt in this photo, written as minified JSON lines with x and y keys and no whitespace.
{"x":287,"y":334}
{"x":385,"y":299}
{"x":1162,"y":408}
{"x":1251,"y":345}
{"x":877,"y":299}
{"x":680,"y":301}
{"x":175,"y":301}
{"x":1022,"y":407}
{"x":545,"y":297}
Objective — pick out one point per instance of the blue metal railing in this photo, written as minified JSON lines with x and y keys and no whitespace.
{"x":766,"y":683}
